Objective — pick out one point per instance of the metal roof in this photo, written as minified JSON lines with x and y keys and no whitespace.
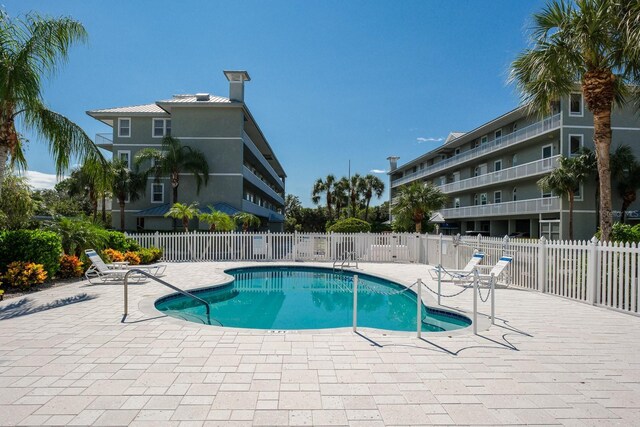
{"x":186,"y":99}
{"x":222,"y":207}
{"x":145,"y":108}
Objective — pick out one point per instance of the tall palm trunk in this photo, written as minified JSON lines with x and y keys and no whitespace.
{"x":329,"y":204}
{"x":571,"y":202}
{"x":366,"y":210}
{"x":175,"y":183}
{"x":4,"y":156}
{"x":417,"y":219}
{"x":121,"y":201}
{"x":598,"y":90}
{"x":627,"y":199}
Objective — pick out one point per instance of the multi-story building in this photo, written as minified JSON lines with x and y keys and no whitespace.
{"x":490,"y":173}
{"x":245,"y":174}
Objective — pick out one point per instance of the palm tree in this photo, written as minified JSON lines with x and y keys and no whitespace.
{"x":625,"y":169}
{"x":355,"y":191}
{"x":594,"y":42}
{"x":126,"y":185}
{"x":372,"y":185}
{"x":30,"y":48}
{"x":324,"y":187}
{"x":183,"y":212}
{"x":417,"y":201}
{"x":173,"y":159}
{"x":246,"y":220}
{"x":218,"y":221}
{"x":341,"y":195}
{"x":564,"y":181}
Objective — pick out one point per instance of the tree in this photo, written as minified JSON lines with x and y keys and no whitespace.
{"x":341,"y":195}
{"x":417,"y":201}
{"x":30,"y":48}
{"x":247,"y":220}
{"x":564,"y":181}
{"x":324,"y":187}
{"x":292,"y":212}
{"x":595,"y":43}
{"x":218,"y":221}
{"x":184,"y":213}
{"x":126,"y":185}
{"x":92,"y":180}
{"x":173,"y":159}
{"x":371,"y":185}
{"x":355,"y":191}
{"x":16,"y":204}
{"x":625,"y":169}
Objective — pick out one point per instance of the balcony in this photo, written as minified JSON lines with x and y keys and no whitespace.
{"x":527,"y":170}
{"x":104,"y":140}
{"x":520,"y":207}
{"x":547,"y":125}
{"x":258,"y":154}
{"x":257,"y":182}
{"x":252,"y":208}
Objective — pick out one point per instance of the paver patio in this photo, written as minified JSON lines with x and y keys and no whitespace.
{"x":66,"y":357}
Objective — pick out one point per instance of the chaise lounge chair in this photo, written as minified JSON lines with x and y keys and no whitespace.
{"x":485,"y":278}
{"x":115,"y":272}
{"x":449,"y":275}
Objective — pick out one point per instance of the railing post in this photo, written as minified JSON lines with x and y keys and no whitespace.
{"x":355,"y":302}
{"x":439,"y":282}
{"x":592,"y":269}
{"x":542,"y":264}
{"x":440,"y":245}
{"x":419,"y":309}
{"x":493,"y":298}
{"x":476,"y":279}
{"x":126,"y":295}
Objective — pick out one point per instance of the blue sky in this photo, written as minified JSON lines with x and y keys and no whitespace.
{"x":332,"y":81}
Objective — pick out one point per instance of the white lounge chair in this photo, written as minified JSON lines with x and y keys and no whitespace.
{"x":116,"y":271}
{"x":485,"y":278}
{"x":449,"y":275}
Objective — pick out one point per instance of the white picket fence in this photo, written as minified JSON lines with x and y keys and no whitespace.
{"x":604,"y":274}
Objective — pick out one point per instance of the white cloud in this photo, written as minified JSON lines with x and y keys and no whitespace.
{"x":41,"y":180}
{"x":378,"y":171}
{"x":430,"y":139}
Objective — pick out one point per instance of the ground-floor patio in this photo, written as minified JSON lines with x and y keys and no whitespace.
{"x":67,"y":358}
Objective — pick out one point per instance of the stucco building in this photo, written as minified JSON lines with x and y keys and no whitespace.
{"x":490,"y":173}
{"x":244,"y":172}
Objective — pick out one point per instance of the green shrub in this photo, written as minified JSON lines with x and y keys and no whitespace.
{"x":118,"y":241}
{"x":78,"y":234}
{"x":149,"y":255}
{"x":350,"y":225}
{"x":624,"y":233}
{"x":38,"y":246}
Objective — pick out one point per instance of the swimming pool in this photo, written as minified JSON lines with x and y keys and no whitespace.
{"x":289,"y":298}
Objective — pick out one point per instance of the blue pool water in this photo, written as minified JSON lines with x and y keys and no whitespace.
{"x":286,"y":298}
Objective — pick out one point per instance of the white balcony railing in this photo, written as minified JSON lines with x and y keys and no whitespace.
{"x":530,"y":206}
{"x":104,"y":140}
{"x":256,"y":181}
{"x":546,"y":125}
{"x":526,"y":170}
{"x":256,"y":152}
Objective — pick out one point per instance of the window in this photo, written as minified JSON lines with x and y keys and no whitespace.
{"x":547,"y":151}
{"x":442,"y":180}
{"x":514,"y":160}
{"x":575,"y":105}
{"x":415,"y":169}
{"x":484,"y":140}
{"x":575,"y":144}
{"x":497,"y":197}
{"x":483,"y":198}
{"x":157,"y":193}
{"x":498,"y":134}
{"x":456,"y":202}
{"x":475,"y":199}
{"x":546,"y":195}
{"x":126,"y":157}
{"x":497,"y":165}
{"x":515,"y":126}
{"x":161,"y":127}
{"x":140,"y":223}
{"x":124,"y":128}
{"x":577,"y":194}
{"x":514,"y":194}
{"x":456,"y":176}
{"x":421,"y":166}
{"x":456,"y":151}
{"x":476,"y":171}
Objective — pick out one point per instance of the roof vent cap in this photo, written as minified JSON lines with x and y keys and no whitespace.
{"x":202,"y":97}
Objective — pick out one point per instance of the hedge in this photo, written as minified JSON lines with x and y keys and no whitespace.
{"x":38,"y":246}
{"x":118,"y":241}
{"x":350,"y":225}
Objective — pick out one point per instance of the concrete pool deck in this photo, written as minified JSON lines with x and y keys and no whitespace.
{"x":66,"y":358}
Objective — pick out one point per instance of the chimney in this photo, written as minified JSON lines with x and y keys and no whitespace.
{"x":393,"y":163}
{"x":236,"y":84}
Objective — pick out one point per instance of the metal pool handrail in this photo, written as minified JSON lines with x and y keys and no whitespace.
{"x":162,"y":282}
